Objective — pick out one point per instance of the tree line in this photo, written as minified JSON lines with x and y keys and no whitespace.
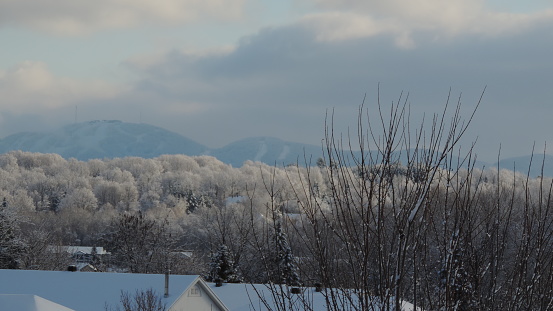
{"x":414,"y":221}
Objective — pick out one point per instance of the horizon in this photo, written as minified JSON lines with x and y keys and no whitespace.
{"x":490,"y":161}
{"x":216,"y":72}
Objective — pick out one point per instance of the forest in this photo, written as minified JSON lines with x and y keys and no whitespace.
{"x":416,"y":222}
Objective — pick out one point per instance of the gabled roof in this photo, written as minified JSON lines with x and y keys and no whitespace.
{"x":91,"y":291}
{"x":29,"y":303}
{"x":207,"y":289}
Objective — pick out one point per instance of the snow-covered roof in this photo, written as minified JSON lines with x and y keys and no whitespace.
{"x":260,"y":297}
{"x":29,"y":303}
{"x":247,"y":297}
{"x":90,"y":291}
{"x":77,"y":249}
{"x":85,"y":267}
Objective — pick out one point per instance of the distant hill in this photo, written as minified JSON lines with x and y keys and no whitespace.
{"x":104,"y":139}
{"x":532,"y":164}
{"x":116,"y":139}
{"x":267,"y":150}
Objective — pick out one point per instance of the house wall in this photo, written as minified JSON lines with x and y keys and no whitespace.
{"x":195,"y":298}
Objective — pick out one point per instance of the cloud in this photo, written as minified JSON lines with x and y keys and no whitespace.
{"x":30,"y":86}
{"x":342,"y":20}
{"x":187,"y":108}
{"x":68,"y":17}
{"x":345,"y":25}
{"x":283,"y":79}
{"x":280,"y":81}
{"x":338,"y":26}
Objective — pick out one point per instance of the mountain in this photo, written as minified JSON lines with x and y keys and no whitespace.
{"x":104,"y":139}
{"x":113,"y":139}
{"x":267,"y":150}
{"x":529,"y":164}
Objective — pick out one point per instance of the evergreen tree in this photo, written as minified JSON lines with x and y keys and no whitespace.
{"x":95,"y":259}
{"x":455,"y":279}
{"x":195,"y":201}
{"x":223,"y":267}
{"x":11,"y":247}
{"x":321,"y":163}
{"x":286,"y":269}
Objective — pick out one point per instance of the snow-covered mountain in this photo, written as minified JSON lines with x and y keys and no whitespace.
{"x":268,"y":150}
{"x":112,"y":139}
{"x":529,"y":164}
{"x":104,"y":139}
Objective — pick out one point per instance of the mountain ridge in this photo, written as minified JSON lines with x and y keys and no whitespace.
{"x":114,"y":139}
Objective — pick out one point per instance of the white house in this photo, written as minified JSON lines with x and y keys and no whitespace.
{"x":81,"y":254}
{"x":93,"y":291}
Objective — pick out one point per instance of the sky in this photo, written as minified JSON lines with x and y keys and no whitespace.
{"x":217,"y":71}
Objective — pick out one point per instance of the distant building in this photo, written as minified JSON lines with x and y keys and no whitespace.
{"x":85,"y":267}
{"x":81,"y":254}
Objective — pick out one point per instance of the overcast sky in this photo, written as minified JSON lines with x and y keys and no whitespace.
{"x":217,"y":71}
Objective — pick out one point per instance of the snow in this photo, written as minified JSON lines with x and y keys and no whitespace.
{"x":113,"y":138}
{"x":284,"y":153}
{"x":104,"y":139}
{"x":75,"y":249}
{"x":261,"y":151}
{"x":29,"y":303}
{"x":116,"y":139}
{"x":247,"y":297}
{"x":89,"y":291}
{"x":268,"y":150}
{"x":260,"y":297}
{"x":235,"y":200}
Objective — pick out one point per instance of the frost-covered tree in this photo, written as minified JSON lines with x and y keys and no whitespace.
{"x":123,"y":196}
{"x":40,"y":251}
{"x":82,"y":198}
{"x":139,"y":244}
{"x":381,"y":221}
{"x":222,"y":267}
{"x":195,"y":201}
{"x":367,"y":231}
{"x":285,"y":268}
{"x":456,"y":280}
{"x":11,"y":246}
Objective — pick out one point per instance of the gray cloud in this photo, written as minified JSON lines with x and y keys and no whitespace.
{"x":282,"y":80}
{"x":76,"y":18}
